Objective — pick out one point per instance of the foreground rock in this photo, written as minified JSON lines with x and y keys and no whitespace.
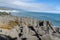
{"x":26,"y":28}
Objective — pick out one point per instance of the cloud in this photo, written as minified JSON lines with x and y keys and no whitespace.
{"x":33,"y":6}
{"x":28,"y":6}
{"x":27,"y":0}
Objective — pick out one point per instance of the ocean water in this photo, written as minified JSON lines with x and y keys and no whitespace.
{"x":53,"y":18}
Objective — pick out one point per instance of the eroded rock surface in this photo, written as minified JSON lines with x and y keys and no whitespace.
{"x":26,"y":28}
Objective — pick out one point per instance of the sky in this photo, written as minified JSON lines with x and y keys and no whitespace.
{"x":51,"y":6}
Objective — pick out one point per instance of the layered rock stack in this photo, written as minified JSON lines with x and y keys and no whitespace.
{"x":26,"y":28}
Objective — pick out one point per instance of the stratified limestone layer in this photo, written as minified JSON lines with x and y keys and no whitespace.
{"x":27,"y":28}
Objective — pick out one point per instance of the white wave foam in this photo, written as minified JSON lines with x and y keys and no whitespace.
{"x":9,"y":11}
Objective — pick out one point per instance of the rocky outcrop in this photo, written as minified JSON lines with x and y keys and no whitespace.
{"x":26,"y":28}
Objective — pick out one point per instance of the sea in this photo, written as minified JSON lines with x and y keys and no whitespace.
{"x":54,"y":18}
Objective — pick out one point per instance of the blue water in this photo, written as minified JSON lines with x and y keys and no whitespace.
{"x":53,"y":18}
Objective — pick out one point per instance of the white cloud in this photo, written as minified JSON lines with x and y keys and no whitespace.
{"x":33,"y":6}
{"x":27,"y":0}
{"x":26,"y":5}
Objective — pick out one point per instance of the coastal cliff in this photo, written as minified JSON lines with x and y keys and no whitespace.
{"x":26,"y":28}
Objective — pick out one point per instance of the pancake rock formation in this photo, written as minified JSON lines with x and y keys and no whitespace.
{"x":26,"y":28}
